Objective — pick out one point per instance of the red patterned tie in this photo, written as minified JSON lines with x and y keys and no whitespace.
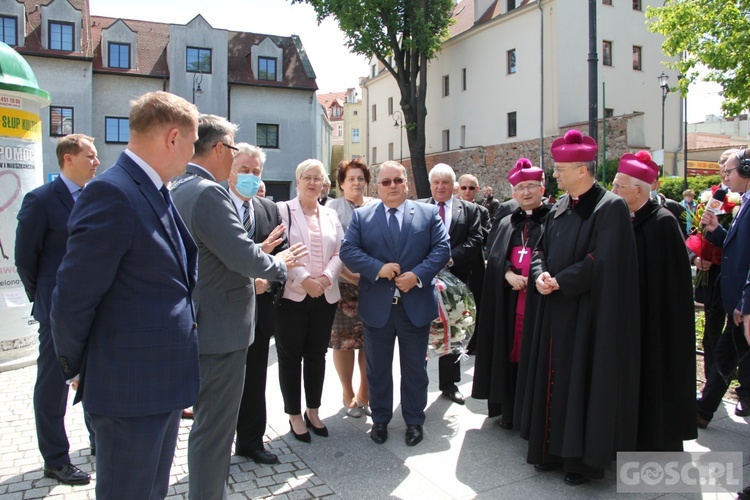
{"x":441,"y":211}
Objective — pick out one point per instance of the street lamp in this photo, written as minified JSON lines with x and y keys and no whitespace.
{"x":197,"y":80}
{"x":663,"y":78}
{"x":398,"y":121}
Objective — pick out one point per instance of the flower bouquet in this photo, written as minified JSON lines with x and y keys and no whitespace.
{"x":453,"y":327}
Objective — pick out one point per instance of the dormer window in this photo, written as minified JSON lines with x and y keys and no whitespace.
{"x":336,"y":111}
{"x":8,"y":30}
{"x":61,"y":36}
{"x":267,"y":68}
{"x":119,"y":55}
{"x":198,"y":60}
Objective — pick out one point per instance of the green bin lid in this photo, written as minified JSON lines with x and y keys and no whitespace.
{"x":16,"y":75}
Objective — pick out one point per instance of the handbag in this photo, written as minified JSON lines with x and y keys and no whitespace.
{"x":278,"y":293}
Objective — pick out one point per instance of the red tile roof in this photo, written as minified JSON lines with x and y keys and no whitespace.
{"x":151,"y":50}
{"x":33,"y":42}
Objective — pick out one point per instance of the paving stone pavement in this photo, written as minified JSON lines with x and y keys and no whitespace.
{"x":464,"y":455}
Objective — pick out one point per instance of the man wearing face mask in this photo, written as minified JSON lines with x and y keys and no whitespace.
{"x":264,"y":222}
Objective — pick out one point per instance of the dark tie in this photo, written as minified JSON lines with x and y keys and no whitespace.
{"x":247,"y":221}
{"x":175,"y":230}
{"x":393,"y":226}
{"x":441,"y":211}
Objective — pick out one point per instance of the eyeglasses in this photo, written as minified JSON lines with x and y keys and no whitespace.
{"x":557,"y":170}
{"x":471,"y":188}
{"x":235,"y":150}
{"x":728,"y":171}
{"x":314,"y":180}
{"x":387,"y":182}
{"x":528,"y":187}
{"x":619,"y":186}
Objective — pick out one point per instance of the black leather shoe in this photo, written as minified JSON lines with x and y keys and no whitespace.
{"x":505,"y":425}
{"x":68,"y":474}
{"x":547,"y":467}
{"x":258,"y":456}
{"x":574,"y":479}
{"x":304,"y":437}
{"x":743,"y":408}
{"x":318,"y":431}
{"x":702,"y":422}
{"x":414,"y":435}
{"x":379,"y":433}
{"x":455,"y":396}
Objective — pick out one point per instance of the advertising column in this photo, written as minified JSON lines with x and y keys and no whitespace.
{"x":21,"y":170}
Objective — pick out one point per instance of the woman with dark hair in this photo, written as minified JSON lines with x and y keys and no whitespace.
{"x":347,"y":333}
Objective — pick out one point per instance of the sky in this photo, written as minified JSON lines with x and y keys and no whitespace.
{"x":335,"y":67}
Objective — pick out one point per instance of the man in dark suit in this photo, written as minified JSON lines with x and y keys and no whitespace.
{"x":732,"y":349}
{"x":265,"y":229}
{"x":490,"y":202}
{"x":462,"y":220}
{"x":122,"y":318}
{"x":41,"y":237}
{"x":397,"y":247}
{"x":228,"y":262}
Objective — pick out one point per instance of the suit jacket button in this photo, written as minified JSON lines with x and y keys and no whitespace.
{"x":195,"y":326}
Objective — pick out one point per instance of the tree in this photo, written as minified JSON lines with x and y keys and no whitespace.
{"x":712,"y":33}
{"x":403,"y":35}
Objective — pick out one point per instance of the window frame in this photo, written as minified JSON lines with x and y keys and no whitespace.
{"x":390,"y":106}
{"x":355,"y":135}
{"x":264,"y":144}
{"x":637,"y":61}
{"x":267,"y":59}
{"x":511,"y":62}
{"x":62,"y":24}
{"x":463,"y":79}
{"x":109,"y":54}
{"x":446,"y":139}
{"x":5,"y":18}
{"x":198,"y":69}
{"x":446,"y":85}
{"x":119,"y":120}
{"x":512,"y":124}
{"x":607,"y":53}
{"x":638,"y":5}
{"x":607,"y":2}
{"x":62,"y":120}
{"x":374,"y":112}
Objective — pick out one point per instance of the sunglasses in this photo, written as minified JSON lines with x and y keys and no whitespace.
{"x":471,"y":188}
{"x":387,"y":182}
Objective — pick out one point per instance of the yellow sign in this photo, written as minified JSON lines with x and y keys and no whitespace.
{"x":21,"y":124}
{"x":696,"y":167}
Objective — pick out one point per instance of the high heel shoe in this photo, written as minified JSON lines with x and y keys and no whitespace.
{"x":319,"y":431}
{"x":304,"y":437}
{"x":352,"y":411}
{"x":365,"y":408}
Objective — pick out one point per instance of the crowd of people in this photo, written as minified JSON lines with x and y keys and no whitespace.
{"x":158,"y":285}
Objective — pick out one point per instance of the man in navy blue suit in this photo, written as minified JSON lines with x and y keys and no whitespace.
{"x":40,"y":245}
{"x":732,"y":349}
{"x":122,"y":316}
{"x":397,"y":246}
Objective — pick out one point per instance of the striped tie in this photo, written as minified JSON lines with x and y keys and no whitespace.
{"x":247,"y":221}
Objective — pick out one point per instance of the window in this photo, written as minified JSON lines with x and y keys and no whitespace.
{"x":339,"y":130}
{"x":390,"y":151}
{"x":511,"y":4}
{"x":60,"y":120}
{"x":636,"y":57}
{"x":119,"y":55}
{"x":446,"y":140}
{"x":355,"y":135}
{"x":609,"y":112}
{"x":607,"y":53}
{"x":267,"y":136}
{"x":61,"y":36}
{"x":374,"y":155}
{"x":463,"y":79}
{"x":637,"y":5}
{"x":374,"y":112}
{"x":511,"y":61}
{"x":116,"y":129}
{"x":446,"y":86}
{"x":463,"y":136}
{"x":336,"y":111}
{"x":198,"y":60}
{"x":8,"y":30}
{"x":390,"y":106}
{"x":354,"y":112}
{"x":606,"y":2}
{"x":512,"y":131}
{"x":267,"y":68}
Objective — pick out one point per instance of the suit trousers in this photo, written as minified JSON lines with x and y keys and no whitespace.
{"x":134,"y":455}
{"x":732,"y":352}
{"x":303,"y":330}
{"x":51,"y":402}
{"x":251,"y":422}
{"x":412,"y":347}
{"x":715,"y":317}
{"x":214,"y":421}
{"x":449,"y":372}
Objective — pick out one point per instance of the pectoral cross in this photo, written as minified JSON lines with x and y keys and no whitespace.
{"x":521,"y":254}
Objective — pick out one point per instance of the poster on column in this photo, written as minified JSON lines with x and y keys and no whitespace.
{"x":20,"y":148}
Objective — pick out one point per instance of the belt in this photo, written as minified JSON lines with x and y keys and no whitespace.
{"x":397,"y":300}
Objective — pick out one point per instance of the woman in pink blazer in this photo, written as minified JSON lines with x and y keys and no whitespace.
{"x":307,"y":309}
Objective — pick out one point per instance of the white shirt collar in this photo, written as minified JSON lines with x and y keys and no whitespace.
{"x":155,"y":178}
